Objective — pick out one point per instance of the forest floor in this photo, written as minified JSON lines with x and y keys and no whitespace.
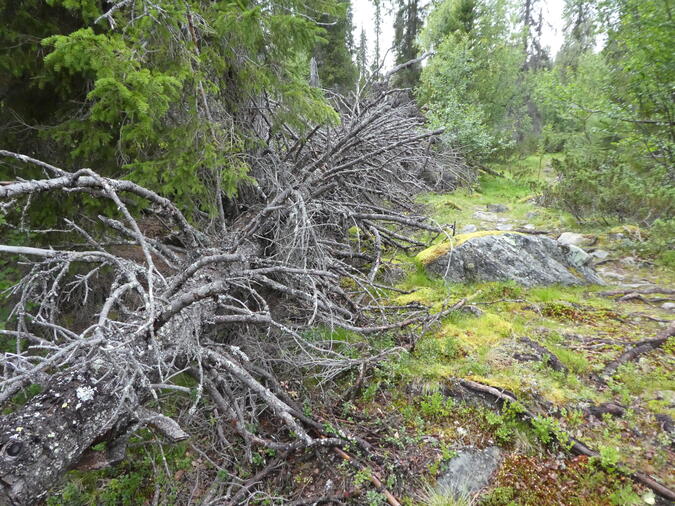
{"x":547,"y":347}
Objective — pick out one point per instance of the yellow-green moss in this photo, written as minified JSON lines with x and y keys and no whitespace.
{"x":425,"y":295}
{"x":476,"y":332}
{"x":453,"y":205}
{"x":433,"y":253}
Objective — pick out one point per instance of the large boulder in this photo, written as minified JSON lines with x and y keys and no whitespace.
{"x":498,"y":256}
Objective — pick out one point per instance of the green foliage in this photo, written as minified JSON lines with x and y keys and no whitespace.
{"x":471,"y":86}
{"x":612,"y":113}
{"x":132,"y":482}
{"x":436,"y":406}
{"x":548,"y":430}
{"x":609,"y":457}
{"x":162,"y":99}
{"x":625,"y":496}
{"x":661,"y":242}
{"x":334,"y":54}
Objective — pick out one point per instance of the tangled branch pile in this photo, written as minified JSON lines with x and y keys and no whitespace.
{"x":107,"y":324}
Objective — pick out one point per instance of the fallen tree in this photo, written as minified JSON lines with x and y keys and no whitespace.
{"x":227,"y":305}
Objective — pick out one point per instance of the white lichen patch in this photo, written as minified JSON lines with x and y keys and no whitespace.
{"x":85,"y":393}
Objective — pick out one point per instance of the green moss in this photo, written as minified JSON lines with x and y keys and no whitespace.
{"x":574,"y":361}
{"x":433,"y":253}
{"x":489,"y":329}
{"x":425,"y":295}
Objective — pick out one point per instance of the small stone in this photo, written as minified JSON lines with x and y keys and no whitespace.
{"x":468,"y":229}
{"x":531,"y":215}
{"x":504,"y":226}
{"x":472,"y":310}
{"x":649,"y":497}
{"x":612,"y":275}
{"x":629,"y":261}
{"x":85,"y":393}
{"x":529,"y":226}
{"x":497,"y":208}
{"x":570,"y":238}
{"x":668,"y":306}
{"x":470,"y":471}
{"x":600,"y":254}
{"x":491,"y":217}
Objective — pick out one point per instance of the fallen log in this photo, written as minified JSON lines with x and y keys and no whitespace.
{"x":545,"y":355}
{"x":565,"y":440}
{"x":639,"y":348}
{"x":226,"y":306}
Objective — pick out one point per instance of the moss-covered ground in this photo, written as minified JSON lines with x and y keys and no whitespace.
{"x":408,"y":408}
{"x":581,"y":327}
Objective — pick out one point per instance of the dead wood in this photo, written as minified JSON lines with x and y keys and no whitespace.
{"x":545,"y":355}
{"x":232,"y":308}
{"x":639,"y":348}
{"x":565,"y":440}
{"x":610,"y":408}
{"x":642,"y":291}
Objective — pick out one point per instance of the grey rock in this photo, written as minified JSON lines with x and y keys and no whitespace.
{"x":532,"y":215}
{"x":468,"y":229}
{"x":492,"y":217}
{"x":668,"y":306}
{"x":630,"y":261}
{"x":570,"y":238}
{"x":472,"y":310}
{"x":525,"y":259}
{"x":600,"y":254}
{"x":529,"y":226}
{"x":612,"y":275}
{"x":497,"y":208}
{"x":469,"y":472}
{"x":504,"y":226}
{"x":615,"y":237}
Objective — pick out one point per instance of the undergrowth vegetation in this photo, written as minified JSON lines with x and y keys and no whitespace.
{"x":576,"y":325}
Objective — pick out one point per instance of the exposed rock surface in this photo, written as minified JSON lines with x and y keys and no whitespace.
{"x":469,"y":472}
{"x":497,"y":256}
{"x":468,"y":229}
{"x":489,"y":217}
{"x":504,"y":226}
{"x":600,"y":254}
{"x":571,"y":238}
{"x":497,"y":208}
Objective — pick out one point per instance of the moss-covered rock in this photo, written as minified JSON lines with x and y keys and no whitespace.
{"x":432,"y":253}
{"x":508,"y":256}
